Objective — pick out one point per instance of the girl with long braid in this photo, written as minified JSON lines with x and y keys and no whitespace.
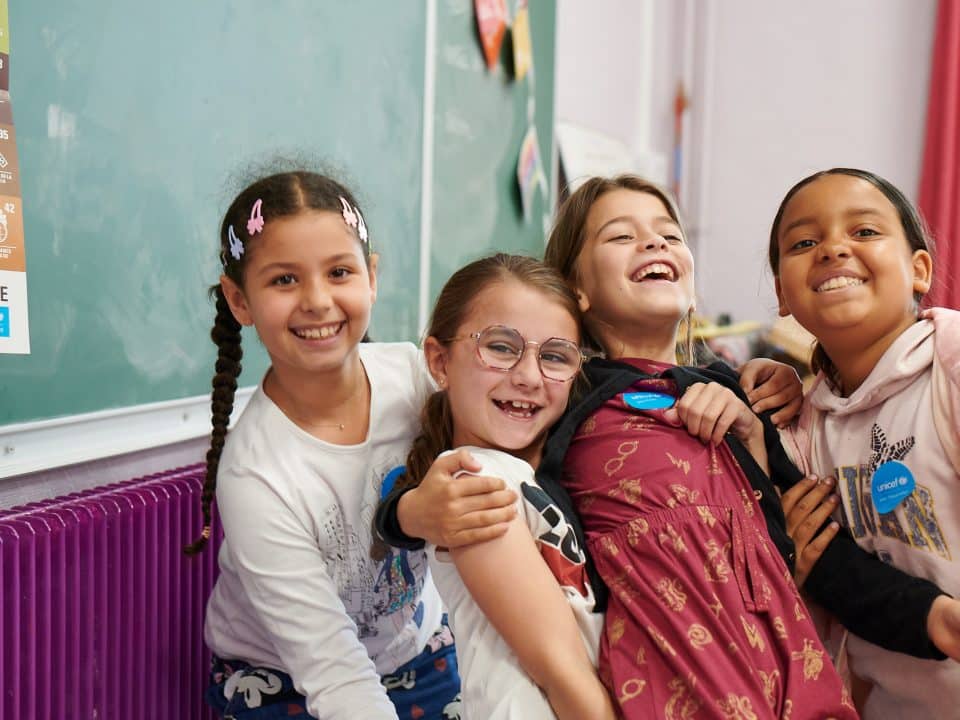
{"x":303,"y":622}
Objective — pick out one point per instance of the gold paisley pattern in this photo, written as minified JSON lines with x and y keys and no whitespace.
{"x":609,"y":545}
{"x":706,"y":516}
{"x":679,"y":463}
{"x":588,"y":427}
{"x":630,"y":489}
{"x":716,"y":606}
{"x":661,"y":641}
{"x":672,"y":594}
{"x":717,"y":569}
{"x":684,"y":494}
{"x":771,"y":682}
{"x":753,"y":634}
{"x":780,"y":628}
{"x":635,"y":529}
{"x":812,"y":660}
{"x":671,"y":539}
{"x":615,"y":629}
{"x":682,"y":704}
{"x":638,"y":422}
{"x":736,"y":707}
{"x":699,"y":636}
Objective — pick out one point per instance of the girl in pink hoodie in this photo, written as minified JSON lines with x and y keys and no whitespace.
{"x":851,"y":262}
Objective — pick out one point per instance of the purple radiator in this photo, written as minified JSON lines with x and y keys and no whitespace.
{"x":101,"y":614}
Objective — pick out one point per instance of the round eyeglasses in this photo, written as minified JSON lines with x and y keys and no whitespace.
{"x":501,"y":348}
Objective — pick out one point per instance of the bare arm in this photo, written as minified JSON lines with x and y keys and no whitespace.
{"x":512,"y":584}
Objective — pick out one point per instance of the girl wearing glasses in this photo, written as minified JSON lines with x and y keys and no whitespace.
{"x":503,"y":348}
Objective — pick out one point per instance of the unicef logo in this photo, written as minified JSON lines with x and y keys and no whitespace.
{"x":892,"y":483}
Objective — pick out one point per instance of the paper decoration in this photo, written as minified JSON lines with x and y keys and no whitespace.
{"x":492,"y":23}
{"x":530,"y":172}
{"x":522,"y":46}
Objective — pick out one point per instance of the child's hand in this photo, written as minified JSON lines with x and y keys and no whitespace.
{"x":943,"y":625}
{"x":807,"y":506}
{"x":770,"y":384}
{"x":709,"y":411}
{"x":453,"y":511}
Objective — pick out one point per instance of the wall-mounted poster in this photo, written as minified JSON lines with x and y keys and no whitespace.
{"x":14,"y":326}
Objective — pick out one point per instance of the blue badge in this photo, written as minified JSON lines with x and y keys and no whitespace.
{"x":4,"y":321}
{"x":390,"y":480}
{"x":892,"y":482}
{"x":649,"y":400}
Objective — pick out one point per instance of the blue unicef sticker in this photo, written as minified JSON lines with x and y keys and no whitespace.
{"x":390,"y":480}
{"x":649,"y":400}
{"x":892,"y":482}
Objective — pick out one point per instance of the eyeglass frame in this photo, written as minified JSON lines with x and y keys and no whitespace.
{"x":526,"y":343}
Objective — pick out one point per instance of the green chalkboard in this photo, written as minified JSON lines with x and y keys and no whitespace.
{"x":134,"y":118}
{"x":481,"y":118}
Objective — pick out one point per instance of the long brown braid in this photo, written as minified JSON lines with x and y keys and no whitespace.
{"x":283,"y":195}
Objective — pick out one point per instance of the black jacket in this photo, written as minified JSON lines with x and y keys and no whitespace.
{"x":874,"y":600}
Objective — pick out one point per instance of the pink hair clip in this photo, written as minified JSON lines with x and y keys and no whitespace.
{"x":236,"y":247}
{"x":361,"y":227}
{"x":255,"y":223}
{"x":349,"y":216}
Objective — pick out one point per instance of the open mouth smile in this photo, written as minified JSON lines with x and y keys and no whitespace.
{"x":838,"y":283}
{"x":318,"y":333}
{"x":655,"y":271}
{"x":518,"y":408}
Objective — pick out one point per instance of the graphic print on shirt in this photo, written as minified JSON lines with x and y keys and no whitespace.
{"x":913,"y":522}
{"x":561,"y":552}
{"x":372,"y":588}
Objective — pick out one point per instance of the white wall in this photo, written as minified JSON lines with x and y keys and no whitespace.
{"x":778,"y":90}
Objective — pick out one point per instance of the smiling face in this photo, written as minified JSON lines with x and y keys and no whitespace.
{"x":307,"y":290}
{"x":635,"y":272}
{"x":505,"y":410}
{"x":846,"y":270}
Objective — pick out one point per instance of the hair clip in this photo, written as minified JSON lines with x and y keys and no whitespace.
{"x":361,"y":227}
{"x":255,"y":223}
{"x":349,"y":216}
{"x":236,"y":247}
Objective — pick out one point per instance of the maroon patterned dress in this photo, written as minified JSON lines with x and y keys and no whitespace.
{"x":704,"y":620}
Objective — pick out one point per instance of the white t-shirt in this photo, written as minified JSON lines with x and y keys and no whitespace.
{"x":298,"y":590}
{"x":494,"y":686}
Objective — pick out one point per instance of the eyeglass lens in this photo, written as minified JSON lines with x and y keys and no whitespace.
{"x":502,"y":348}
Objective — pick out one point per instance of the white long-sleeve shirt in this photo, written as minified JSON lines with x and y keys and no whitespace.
{"x":298,"y":590}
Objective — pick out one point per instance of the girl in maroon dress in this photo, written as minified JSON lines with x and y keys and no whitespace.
{"x":703,"y":618}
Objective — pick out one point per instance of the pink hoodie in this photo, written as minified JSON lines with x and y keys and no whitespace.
{"x":908,"y":411}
